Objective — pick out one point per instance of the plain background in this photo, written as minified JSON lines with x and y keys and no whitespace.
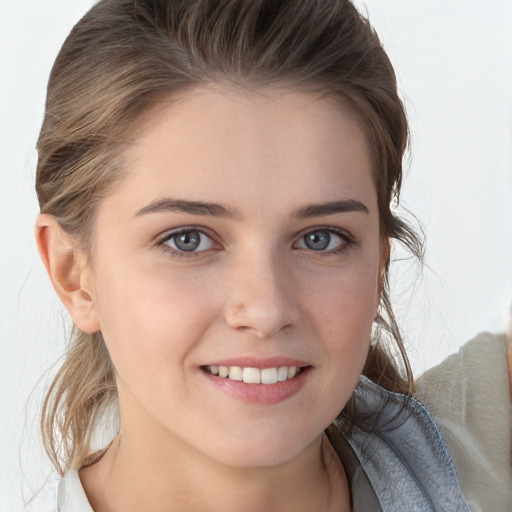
{"x":453,"y":60}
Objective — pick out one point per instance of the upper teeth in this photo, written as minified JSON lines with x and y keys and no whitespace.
{"x":255,"y":375}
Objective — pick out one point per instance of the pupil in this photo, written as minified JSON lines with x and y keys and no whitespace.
{"x":317,"y":241}
{"x":188,"y":241}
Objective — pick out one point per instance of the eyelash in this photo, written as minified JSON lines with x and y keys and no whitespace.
{"x":161,"y":243}
{"x":348,"y":241}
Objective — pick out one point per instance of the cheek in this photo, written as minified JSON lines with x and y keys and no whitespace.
{"x":343,"y":312}
{"x":151,"y":321}
{"x":345,"y":305}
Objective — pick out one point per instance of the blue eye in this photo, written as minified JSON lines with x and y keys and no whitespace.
{"x":318,"y":240}
{"x":325,"y":240}
{"x":190,"y":240}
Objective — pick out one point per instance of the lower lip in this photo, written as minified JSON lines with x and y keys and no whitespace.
{"x":260,"y":393}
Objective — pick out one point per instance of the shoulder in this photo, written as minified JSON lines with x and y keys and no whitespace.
{"x":480,"y":365}
{"x":400,"y":453}
{"x":468,"y":395}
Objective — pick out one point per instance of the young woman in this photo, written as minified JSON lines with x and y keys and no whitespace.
{"x":215,"y":182}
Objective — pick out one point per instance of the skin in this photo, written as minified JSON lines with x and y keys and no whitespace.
{"x":254,"y":289}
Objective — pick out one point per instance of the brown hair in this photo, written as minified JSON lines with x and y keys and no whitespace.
{"x":125,"y":54}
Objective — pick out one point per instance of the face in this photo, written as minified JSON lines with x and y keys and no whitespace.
{"x":243,"y":240}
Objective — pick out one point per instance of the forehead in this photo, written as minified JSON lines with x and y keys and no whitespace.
{"x":236,"y":144}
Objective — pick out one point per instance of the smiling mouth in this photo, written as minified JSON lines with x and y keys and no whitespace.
{"x":255,"y":375}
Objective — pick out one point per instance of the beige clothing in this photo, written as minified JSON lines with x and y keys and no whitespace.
{"x":468,"y":395}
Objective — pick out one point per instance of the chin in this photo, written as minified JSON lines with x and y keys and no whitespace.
{"x":255,"y":450}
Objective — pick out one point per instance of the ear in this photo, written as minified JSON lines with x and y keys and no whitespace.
{"x":68,"y":272}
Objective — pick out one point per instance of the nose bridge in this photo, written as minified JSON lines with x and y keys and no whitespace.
{"x":262,"y":297}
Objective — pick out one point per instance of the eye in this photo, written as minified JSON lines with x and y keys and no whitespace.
{"x":189,"y":240}
{"x":325,"y":240}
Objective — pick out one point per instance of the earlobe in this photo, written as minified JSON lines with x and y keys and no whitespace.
{"x":67,"y":270}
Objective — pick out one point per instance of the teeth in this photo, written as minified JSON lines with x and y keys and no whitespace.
{"x":255,"y":375}
{"x":282,"y":373}
{"x":269,"y":376}
{"x":235,"y":373}
{"x":252,"y":376}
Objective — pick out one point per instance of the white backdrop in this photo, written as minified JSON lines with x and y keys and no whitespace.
{"x":453,"y":59}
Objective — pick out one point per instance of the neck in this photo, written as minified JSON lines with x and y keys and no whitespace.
{"x":135,"y":474}
{"x":149,"y":468}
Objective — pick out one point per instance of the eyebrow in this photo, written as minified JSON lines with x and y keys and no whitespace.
{"x":217,"y":210}
{"x":191,"y":207}
{"x":331,"y":208}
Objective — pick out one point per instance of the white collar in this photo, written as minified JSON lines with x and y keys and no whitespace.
{"x":71,"y":495}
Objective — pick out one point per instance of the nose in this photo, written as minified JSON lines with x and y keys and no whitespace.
{"x":263,"y":297}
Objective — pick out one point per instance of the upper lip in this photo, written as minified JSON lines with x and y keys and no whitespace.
{"x":259,"y":362}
